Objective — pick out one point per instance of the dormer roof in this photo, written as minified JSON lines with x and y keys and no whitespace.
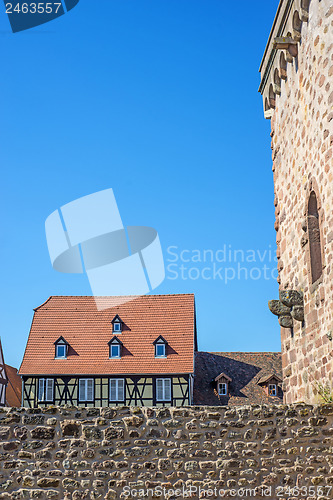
{"x":223,"y":375}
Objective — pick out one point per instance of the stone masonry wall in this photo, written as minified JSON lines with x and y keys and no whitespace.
{"x":302,"y":144}
{"x":75,"y":453}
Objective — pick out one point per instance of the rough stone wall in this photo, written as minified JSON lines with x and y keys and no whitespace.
{"x":75,"y":453}
{"x":302,"y":144}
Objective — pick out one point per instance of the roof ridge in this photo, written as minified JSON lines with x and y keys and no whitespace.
{"x":241,"y":352}
{"x":139,"y":296}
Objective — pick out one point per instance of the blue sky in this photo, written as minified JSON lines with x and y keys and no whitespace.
{"x":158,"y":100}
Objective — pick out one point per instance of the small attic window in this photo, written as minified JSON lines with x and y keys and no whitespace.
{"x":61,"y":348}
{"x":160,"y":347}
{"x":272,"y":390}
{"x":117,"y":324}
{"x":223,"y":389}
{"x":222,"y":382}
{"x":270,"y":384}
{"x":115,"y":348}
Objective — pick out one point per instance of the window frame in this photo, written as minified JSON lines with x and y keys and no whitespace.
{"x":117,"y":380}
{"x":86,"y":400}
{"x":270,"y":392}
{"x":117,"y":321}
{"x":163,"y":390}
{"x":44,"y":398}
{"x":115,"y":344}
{"x":225,"y":386}
{"x":56,"y":351}
{"x":115,"y":330}
{"x":157,"y":345}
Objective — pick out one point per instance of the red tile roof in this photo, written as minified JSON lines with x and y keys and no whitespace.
{"x":14,"y":387}
{"x":88,"y":331}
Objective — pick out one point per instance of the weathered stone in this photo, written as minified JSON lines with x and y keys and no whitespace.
{"x":112,"y":433}
{"x":134,"y":421}
{"x":70,"y":428}
{"x":48,"y":482}
{"x":43,"y":432}
{"x":278,"y":308}
{"x":297,"y":313}
{"x":291,"y":298}
{"x":286,"y":321}
{"x":92,"y":432}
{"x":4,"y":433}
{"x":33,"y":419}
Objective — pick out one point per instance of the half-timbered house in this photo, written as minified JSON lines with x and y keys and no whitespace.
{"x":138,"y":353}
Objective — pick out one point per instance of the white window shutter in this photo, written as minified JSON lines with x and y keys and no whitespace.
{"x":113,"y":389}
{"x":82,"y":389}
{"x":159,"y":389}
{"x":49,"y":389}
{"x":90,"y":389}
{"x":167,"y":389}
{"x":121,"y":385}
{"x":41,"y":383}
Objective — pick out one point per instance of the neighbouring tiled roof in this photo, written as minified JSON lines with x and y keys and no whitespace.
{"x":88,"y":332}
{"x":244,"y":368}
{"x":14,"y":387}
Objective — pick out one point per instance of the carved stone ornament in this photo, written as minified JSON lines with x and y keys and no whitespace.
{"x":289,"y":307}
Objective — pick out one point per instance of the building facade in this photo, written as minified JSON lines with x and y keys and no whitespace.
{"x":297,"y":89}
{"x":140,"y":353}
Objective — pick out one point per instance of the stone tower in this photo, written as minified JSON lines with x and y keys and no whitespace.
{"x":297,"y":90}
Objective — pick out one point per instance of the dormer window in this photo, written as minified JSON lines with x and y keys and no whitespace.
{"x":270,"y":383}
{"x":272,"y":390}
{"x":222,"y":384}
{"x":61,"y":348}
{"x":117,"y":324}
{"x":223,"y":389}
{"x":115,"y":348}
{"x":160,"y":347}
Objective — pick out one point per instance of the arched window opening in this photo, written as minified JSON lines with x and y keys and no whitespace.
{"x":271,"y":97}
{"x":283,"y":66}
{"x":314,"y":238}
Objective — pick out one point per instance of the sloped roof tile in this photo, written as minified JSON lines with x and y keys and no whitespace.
{"x":88,"y":331}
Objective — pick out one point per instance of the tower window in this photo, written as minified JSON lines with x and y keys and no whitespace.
{"x":314,"y":238}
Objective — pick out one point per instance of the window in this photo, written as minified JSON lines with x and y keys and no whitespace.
{"x":60,"y":351}
{"x":160,"y":350}
{"x":61,"y":348}
{"x":314,"y":238}
{"x":223,"y":389}
{"x":272,"y":390}
{"x":163,"y":389}
{"x":115,"y":348}
{"x":115,"y":351}
{"x":45,"y":389}
{"x":160,"y":347}
{"x":86,"y":389}
{"x":117,"y":324}
{"x":117,"y":389}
